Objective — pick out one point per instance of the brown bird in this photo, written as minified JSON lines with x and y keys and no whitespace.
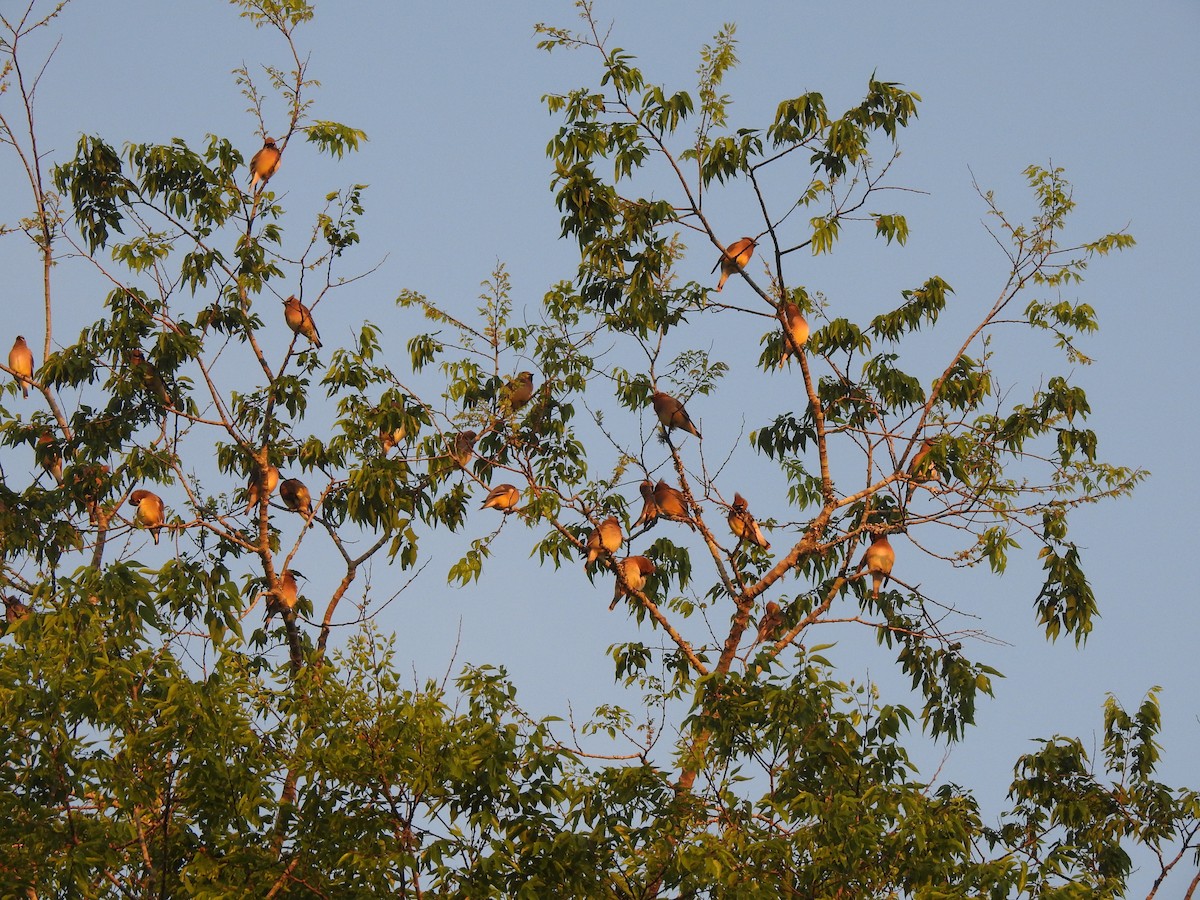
{"x":743,"y":525}
{"x":261,"y":485}
{"x":672,"y":504}
{"x":300,"y":320}
{"x":150,"y":512}
{"x":649,"y":508}
{"x":87,"y":482}
{"x":390,"y":439}
{"x":20,"y":360}
{"x":605,"y":540}
{"x":734,"y":258}
{"x":48,"y":456}
{"x":462,"y":448}
{"x":14,"y":610}
{"x":796,"y":327}
{"x":503,"y":497}
{"x":517,"y":392}
{"x":922,"y":470}
{"x":769,"y":624}
{"x":671,"y":413}
{"x":148,"y":375}
{"x":264,"y":163}
{"x":634,"y":569}
{"x":879,"y":559}
{"x":295,"y":496}
{"x":283,"y":598}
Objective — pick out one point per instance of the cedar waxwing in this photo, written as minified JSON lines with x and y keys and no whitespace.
{"x":89,"y":482}
{"x":922,"y":470}
{"x":769,"y":624}
{"x":150,"y":512}
{"x":283,"y":598}
{"x":734,"y":258}
{"x":605,"y":540}
{"x":260,"y":486}
{"x":503,"y":497}
{"x":743,"y":525}
{"x":517,"y":392}
{"x":634,"y":569}
{"x":462,"y":448}
{"x":671,"y":504}
{"x":14,"y":610}
{"x":879,"y":559}
{"x":299,"y":319}
{"x":671,"y":413}
{"x":48,"y":456}
{"x":20,"y":360}
{"x":264,"y":163}
{"x":295,"y":496}
{"x":391,"y":439}
{"x":796,"y":327}
{"x":649,"y":508}
{"x":151,"y":380}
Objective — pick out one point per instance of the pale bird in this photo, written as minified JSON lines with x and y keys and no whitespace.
{"x":295,"y":496}
{"x":264,"y":163}
{"x":503,"y":497}
{"x":734,"y":258}
{"x":605,"y":540}
{"x":20,"y":360}
{"x":879,"y":559}
{"x":671,"y":413}
{"x":299,"y":319}
{"x":150,"y":512}
{"x":635,"y":570}
{"x":743,"y":524}
{"x":261,"y":485}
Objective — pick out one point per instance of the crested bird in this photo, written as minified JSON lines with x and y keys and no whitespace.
{"x":605,"y":540}
{"x":671,"y":413}
{"x":634,"y":569}
{"x":20,"y":360}
{"x":462,"y":448}
{"x":796,"y":328}
{"x":743,"y":524}
{"x":299,"y":319}
{"x":649,"y":508}
{"x":672,"y":504}
{"x":517,"y":392}
{"x":151,"y":380}
{"x":769,"y":624}
{"x":150,"y":512}
{"x":283,"y":598}
{"x":879,"y":559}
{"x":922,"y":470}
{"x":734,"y":258}
{"x":503,"y":497}
{"x":261,"y":485}
{"x":48,"y":456}
{"x":264,"y":163}
{"x":295,"y":496}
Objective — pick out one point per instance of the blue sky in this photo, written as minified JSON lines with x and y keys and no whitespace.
{"x":449,"y":95}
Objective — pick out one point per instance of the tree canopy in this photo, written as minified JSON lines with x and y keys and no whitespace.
{"x":203,"y":501}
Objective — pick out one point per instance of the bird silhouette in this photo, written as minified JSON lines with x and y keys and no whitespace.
{"x":283,"y":598}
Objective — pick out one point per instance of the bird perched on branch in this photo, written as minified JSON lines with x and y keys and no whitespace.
{"x":87,"y":483}
{"x":299,"y":319}
{"x":735,"y":258}
{"x":14,"y":610}
{"x":264,"y":163}
{"x":295,"y":496}
{"x":261,"y":485}
{"x":517,"y":392}
{"x":671,"y":413}
{"x":503,"y":497}
{"x":151,"y":381}
{"x":796,"y":328}
{"x":150,"y":512}
{"x":672,"y":504}
{"x":283,"y":598}
{"x":879,"y":559}
{"x":48,"y":456}
{"x":743,"y":525}
{"x":922,"y":470}
{"x":20,"y":360}
{"x":462,"y":448}
{"x":649,"y":508}
{"x":635,"y":570}
{"x":770,"y":623}
{"x":605,"y":540}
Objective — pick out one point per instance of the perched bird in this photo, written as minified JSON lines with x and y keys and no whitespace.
{"x":503,"y":497}
{"x":922,"y":470}
{"x":734,"y":258}
{"x":261,"y":485}
{"x":672,"y":504}
{"x":671,"y":413}
{"x":295,"y":496}
{"x":283,"y":598}
{"x":148,"y":375}
{"x":879,"y":559}
{"x":20,"y":360}
{"x":150,"y":512}
{"x":743,"y":525}
{"x":391,"y":438}
{"x":605,"y":540}
{"x":300,"y":320}
{"x":48,"y":456}
{"x":462,"y":448}
{"x":264,"y":163}
{"x":649,"y":508}
{"x":87,"y":482}
{"x":517,"y":392}
{"x":770,"y":623}
{"x":14,"y":610}
{"x":796,"y":327}
{"x":634,"y":569}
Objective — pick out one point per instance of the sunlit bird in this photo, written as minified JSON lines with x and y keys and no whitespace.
{"x":517,"y":392}
{"x":735,"y":258}
{"x":264,"y":163}
{"x":879,"y":559}
{"x":295,"y":496}
{"x":503,"y":497}
{"x":261,"y":485}
{"x":299,"y":319}
{"x":796,"y":328}
{"x":462,"y":448}
{"x":743,"y":524}
{"x":672,"y":504}
{"x":649,"y":508}
{"x":150,"y":512}
{"x":20,"y":360}
{"x":283,"y":598}
{"x":635,"y":570}
{"x":671,"y":413}
{"x":605,"y":540}
{"x":922,"y":471}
